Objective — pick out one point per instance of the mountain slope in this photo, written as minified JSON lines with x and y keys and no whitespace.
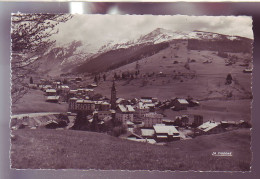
{"x":113,"y":56}
{"x":77,"y":57}
{"x":116,"y":58}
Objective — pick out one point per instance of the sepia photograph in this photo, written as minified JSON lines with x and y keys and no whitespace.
{"x":131,"y":92}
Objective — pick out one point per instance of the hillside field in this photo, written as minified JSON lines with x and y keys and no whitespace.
{"x":207,"y":85}
{"x":61,"y":149}
{"x":34,"y":102}
{"x":201,"y":81}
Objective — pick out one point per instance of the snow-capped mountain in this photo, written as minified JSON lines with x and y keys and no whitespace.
{"x":76,"y":53}
{"x":161,"y":35}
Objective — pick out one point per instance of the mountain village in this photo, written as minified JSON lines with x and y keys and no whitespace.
{"x":153,"y":96}
{"x":136,"y":119}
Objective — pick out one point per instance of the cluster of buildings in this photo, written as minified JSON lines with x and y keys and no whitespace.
{"x":56,"y":91}
{"x":136,"y":113}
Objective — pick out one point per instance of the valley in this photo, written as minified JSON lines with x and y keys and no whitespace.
{"x":159,"y":67}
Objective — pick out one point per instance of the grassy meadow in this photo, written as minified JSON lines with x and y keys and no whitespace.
{"x":34,"y":101}
{"x":61,"y":149}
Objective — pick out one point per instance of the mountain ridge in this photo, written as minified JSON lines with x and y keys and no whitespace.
{"x":79,"y":53}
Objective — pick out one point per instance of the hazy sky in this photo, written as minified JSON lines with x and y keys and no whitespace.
{"x":98,"y":29}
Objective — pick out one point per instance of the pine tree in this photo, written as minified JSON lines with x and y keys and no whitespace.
{"x":229,"y":79}
{"x":96,"y":79}
{"x":31,"y":80}
{"x":115,"y":76}
{"x":81,"y":122}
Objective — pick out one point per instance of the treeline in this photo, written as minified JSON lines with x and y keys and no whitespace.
{"x":86,"y":122}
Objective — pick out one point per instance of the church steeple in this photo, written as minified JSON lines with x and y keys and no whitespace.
{"x":113,"y":96}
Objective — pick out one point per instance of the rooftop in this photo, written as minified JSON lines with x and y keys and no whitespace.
{"x":183,"y":101}
{"x":161,"y":129}
{"x":84,"y":101}
{"x":130,"y":108}
{"x":146,"y":100}
{"x":51,"y":91}
{"x":147,"y":132}
{"x":127,"y":108}
{"x":208,"y":125}
{"x":53,"y":97}
{"x":65,"y":86}
{"x":142,"y":106}
{"x":101,"y":102}
{"x":153,"y":115}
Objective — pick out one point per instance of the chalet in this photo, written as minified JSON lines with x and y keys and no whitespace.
{"x":166,"y":133}
{"x":192,"y":103}
{"x":65,"y":88}
{"x":151,"y":119}
{"x":180,"y":104}
{"x":51,"y":92}
{"x":53,"y":99}
{"x":210,"y":127}
{"x":125,"y":113}
{"x":141,"y":109}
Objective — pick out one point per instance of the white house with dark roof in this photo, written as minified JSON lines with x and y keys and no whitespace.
{"x":125,"y":113}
